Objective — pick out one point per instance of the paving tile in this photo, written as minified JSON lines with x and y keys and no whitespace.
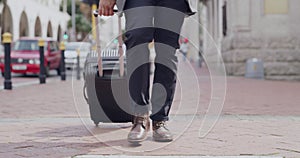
{"x":259,"y":119}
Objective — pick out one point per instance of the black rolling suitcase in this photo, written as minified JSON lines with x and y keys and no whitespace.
{"x":106,"y":87}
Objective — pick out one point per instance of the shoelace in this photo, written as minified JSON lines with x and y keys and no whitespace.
{"x":160,"y":124}
{"x":139,"y":120}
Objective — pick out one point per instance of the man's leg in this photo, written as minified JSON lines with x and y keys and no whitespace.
{"x":139,"y":33}
{"x":168,"y":22}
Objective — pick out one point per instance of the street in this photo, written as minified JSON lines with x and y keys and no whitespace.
{"x":259,"y":118}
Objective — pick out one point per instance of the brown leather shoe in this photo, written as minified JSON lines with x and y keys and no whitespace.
{"x":161,"y":132}
{"x":139,"y":130}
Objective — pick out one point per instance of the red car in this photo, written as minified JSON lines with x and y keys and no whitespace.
{"x":25,"y":56}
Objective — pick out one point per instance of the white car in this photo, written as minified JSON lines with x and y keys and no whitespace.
{"x":71,"y":52}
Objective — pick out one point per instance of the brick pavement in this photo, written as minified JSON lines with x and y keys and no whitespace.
{"x":52,"y":120}
{"x":19,"y":80}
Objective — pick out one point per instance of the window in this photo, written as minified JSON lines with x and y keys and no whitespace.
{"x":276,"y":6}
{"x":29,"y":45}
{"x":53,"y":46}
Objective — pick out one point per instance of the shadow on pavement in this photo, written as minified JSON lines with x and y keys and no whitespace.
{"x":73,"y":131}
{"x":46,"y":149}
{"x":61,"y":142}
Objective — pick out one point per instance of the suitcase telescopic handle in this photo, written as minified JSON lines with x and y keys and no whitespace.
{"x":120,"y":50}
{"x":96,"y":13}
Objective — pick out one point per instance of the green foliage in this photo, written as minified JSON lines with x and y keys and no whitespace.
{"x":82,"y":24}
{"x":69,"y":6}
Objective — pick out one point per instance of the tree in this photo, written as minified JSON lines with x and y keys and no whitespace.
{"x":83,"y":25}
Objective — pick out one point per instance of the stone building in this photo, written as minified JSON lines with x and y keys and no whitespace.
{"x":265,"y":29}
{"x":33,"y":18}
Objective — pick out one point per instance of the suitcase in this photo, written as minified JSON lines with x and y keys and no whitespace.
{"x":105,"y":84}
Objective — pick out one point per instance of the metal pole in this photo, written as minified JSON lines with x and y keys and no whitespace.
{"x":121,"y":51}
{"x":73,"y":21}
{"x":98,"y":47}
{"x":78,"y":64}
{"x":42,"y":75}
{"x":7,"y":62}
{"x":62,"y":62}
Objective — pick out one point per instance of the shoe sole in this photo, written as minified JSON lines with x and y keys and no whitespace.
{"x":136,"y":141}
{"x":162,"y":139}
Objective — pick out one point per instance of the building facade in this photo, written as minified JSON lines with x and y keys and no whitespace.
{"x":33,"y":18}
{"x":266,"y":29}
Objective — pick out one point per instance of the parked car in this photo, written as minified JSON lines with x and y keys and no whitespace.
{"x":71,"y":53}
{"x":25,"y":56}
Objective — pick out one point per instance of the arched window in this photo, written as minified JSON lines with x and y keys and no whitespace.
{"x":23,"y":25}
{"x":37,"y":27}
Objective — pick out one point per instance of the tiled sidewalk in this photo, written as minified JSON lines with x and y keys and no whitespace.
{"x":260,"y":118}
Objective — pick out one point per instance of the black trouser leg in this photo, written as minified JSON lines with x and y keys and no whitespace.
{"x":167,"y":23}
{"x":139,"y":33}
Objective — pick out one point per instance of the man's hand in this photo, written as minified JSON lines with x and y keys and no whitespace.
{"x":106,"y":7}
